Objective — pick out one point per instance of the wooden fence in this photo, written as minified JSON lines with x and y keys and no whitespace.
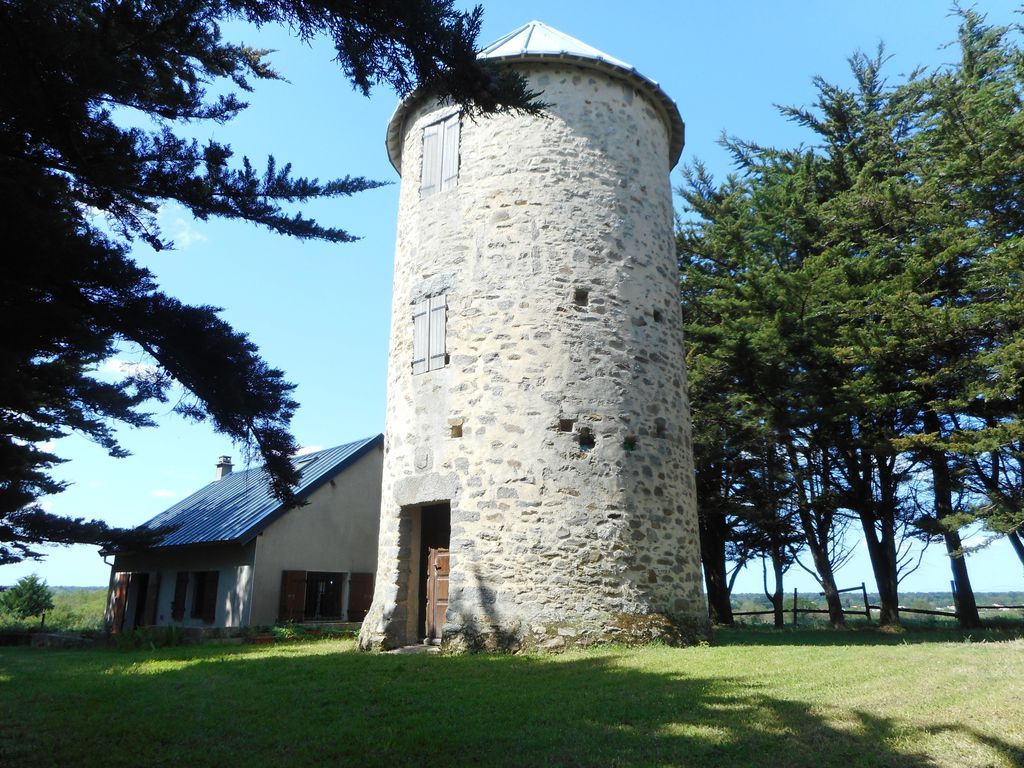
{"x":867,"y":607}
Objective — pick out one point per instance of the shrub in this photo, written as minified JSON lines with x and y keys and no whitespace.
{"x":29,"y":597}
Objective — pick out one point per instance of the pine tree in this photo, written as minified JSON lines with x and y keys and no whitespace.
{"x":71,"y":292}
{"x":975,"y":141}
{"x":30,"y":596}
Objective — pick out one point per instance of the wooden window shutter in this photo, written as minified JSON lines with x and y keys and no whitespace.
{"x":360,"y":595}
{"x":152,"y":596}
{"x":430,"y":175}
{"x":120,"y":601}
{"x":180,"y":591}
{"x":420,"y":336}
{"x":430,"y":328}
{"x":209,"y":612}
{"x":293,"y":596}
{"x":438,"y":353}
{"x":450,"y":153}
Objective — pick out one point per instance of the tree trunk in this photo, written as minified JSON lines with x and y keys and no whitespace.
{"x":1017,"y":545}
{"x":835,"y":607}
{"x":877,"y":518}
{"x":817,"y":533}
{"x":888,"y":579}
{"x":828,"y":586}
{"x":712,"y":550}
{"x":719,"y":598}
{"x":942,"y":488}
{"x":963,"y":598}
{"x":883,"y":566}
{"x":879,"y":527}
{"x":778,"y":595}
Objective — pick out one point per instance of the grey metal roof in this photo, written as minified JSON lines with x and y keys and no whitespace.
{"x":240,"y":505}
{"x":537,"y":38}
{"x":536,"y":41}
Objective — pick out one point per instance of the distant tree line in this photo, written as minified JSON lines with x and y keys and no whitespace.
{"x":855,"y":319}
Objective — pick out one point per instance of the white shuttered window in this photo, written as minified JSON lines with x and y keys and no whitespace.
{"x":429,"y":326}
{"x":440,"y":156}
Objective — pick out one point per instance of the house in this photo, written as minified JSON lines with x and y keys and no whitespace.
{"x":234,"y":556}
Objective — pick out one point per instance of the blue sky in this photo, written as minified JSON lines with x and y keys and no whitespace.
{"x":321,"y":312}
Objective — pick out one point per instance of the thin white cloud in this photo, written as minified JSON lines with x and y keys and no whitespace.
{"x":177,"y":226}
{"x":184,"y":234}
{"x":117,"y":365}
{"x":163,"y":493}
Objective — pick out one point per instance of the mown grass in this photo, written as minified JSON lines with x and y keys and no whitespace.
{"x":755,"y":698}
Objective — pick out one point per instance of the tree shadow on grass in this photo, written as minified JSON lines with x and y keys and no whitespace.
{"x":324,"y":704}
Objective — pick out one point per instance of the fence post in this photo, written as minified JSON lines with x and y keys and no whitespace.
{"x":867,"y":608}
{"x":794,"y":606}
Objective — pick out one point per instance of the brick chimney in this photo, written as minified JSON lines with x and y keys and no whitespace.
{"x":223,"y":467}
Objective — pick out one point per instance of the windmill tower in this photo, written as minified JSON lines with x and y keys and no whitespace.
{"x":538,"y":474}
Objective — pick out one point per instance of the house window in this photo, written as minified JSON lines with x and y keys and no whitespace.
{"x":204,"y":595}
{"x":440,"y":169}
{"x":316,"y":595}
{"x":323,"y":595}
{"x":429,"y":321}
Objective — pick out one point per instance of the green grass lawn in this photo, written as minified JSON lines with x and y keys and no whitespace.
{"x":755,"y":698}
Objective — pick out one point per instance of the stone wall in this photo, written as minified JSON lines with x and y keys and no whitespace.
{"x":569,"y":468}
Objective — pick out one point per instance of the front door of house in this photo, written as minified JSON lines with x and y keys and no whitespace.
{"x":437,"y":592}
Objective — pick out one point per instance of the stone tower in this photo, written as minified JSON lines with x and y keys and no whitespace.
{"x":538,"y":476}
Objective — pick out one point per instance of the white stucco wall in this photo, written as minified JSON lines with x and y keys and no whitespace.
{"x":336,"y":531}
{"x":233,"y":563}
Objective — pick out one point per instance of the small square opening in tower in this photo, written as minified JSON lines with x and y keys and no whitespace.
{"x":566,"y":425}
{"x":629,"y":443}
{"x":580,"y":297}
{"x":456,"y":430}
{"x":658,"y":317}
{"x":586,"y":439}
{"x":660,"y":430}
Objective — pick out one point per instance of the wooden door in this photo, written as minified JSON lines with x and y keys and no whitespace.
{"x":437,"y":591}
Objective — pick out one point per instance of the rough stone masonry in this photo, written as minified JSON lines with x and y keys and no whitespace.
{"x":554,"y":435}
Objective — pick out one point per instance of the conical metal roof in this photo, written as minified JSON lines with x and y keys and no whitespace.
{"x":536,"y":41}
{"x":535,"y":38}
